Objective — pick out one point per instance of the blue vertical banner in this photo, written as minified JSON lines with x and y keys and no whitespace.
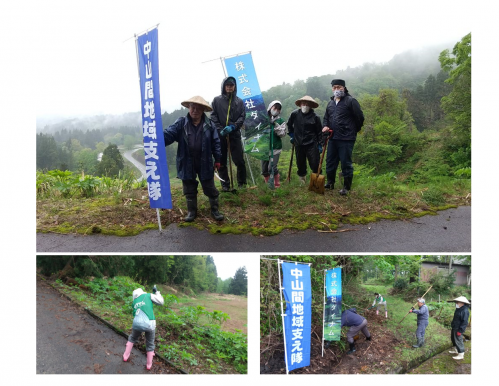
{"x":297,"y":290}
{"x":332,"y":312}
{"x":256,"y":138}
{"x":158,"y":180}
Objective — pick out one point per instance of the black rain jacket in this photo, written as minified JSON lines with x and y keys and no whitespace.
{"x":210,"y":149}
{"x":345,"y":118}
{"x":306,"y":128}
{"x":460,"y":320}
{"x":220,"y":107}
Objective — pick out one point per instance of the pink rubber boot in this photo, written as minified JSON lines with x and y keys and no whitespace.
{"x":377,"y":312}
{"x":150,"y":354}
{"x":277,"y":183}
{"x":386,"y":314}
{"x":128,"y":350}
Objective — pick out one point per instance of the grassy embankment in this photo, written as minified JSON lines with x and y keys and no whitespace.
{"x":437,"y":337}
{"x":122,"y":208}
{"x":188,"y":333}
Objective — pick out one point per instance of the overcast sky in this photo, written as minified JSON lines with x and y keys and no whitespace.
{"x":85,"y":65}
{"x":228,"y":264}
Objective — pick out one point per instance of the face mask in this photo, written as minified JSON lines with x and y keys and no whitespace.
{"x":274,"y":112}
{"x":339,"y":93}
{"x":305,"y":109}
{"x":457,"y":305}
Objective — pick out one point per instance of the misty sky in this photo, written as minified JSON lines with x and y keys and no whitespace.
{"x":85,"y":65}
{"x":228,"y":264}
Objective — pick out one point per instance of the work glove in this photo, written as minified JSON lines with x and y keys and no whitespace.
{"x":292,"y":139}
{"x":154,"y":289}
{"x":227,"y":129}
{"x":458,"y":333}
{"x":412,"y":308}
{"x":217,"y":165}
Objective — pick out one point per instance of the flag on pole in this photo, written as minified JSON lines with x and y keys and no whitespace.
{"x":256,"y":124}
{"x":297,"y":290}
{"x":332,"y":313}
{"x":158,"y":180}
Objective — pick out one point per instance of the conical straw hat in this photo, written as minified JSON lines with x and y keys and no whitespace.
{"x":461,"y":299}
{"x":199,"y":100}
{"x":306,"y":98}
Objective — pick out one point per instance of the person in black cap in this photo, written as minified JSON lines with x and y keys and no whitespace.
{"x":344,"y":116}
{"x":228,"y":116}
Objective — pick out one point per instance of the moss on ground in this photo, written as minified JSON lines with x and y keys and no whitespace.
{"x":255,"y":210}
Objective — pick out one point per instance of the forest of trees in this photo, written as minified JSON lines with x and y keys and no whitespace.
{"x":196,"y":273}
{"x":417,"y":108}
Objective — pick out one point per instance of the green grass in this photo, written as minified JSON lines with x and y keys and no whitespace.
{"x":123,"y":208}
{"x":191,"y":337}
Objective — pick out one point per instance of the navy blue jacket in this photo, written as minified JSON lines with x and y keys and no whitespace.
{"x":345,"y":118}
{"x":350,"y":318}
{"x":210,"y":149}
{"x":422,"y":313}
{"x":460,"y":320}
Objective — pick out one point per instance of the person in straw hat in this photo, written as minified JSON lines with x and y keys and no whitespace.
{"x":304,"y":129}
{"x":344,"y":116}
{"x":198,"y":154}
{"x":458,"y":325}
{"x":279,"y":131}
{"x":423,"y":318}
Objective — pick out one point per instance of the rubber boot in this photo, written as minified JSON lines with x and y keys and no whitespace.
{"x":128,"y":350}
{"x":150,"y":354}
{"x":386,"y":314}
{"x":302,"y":180}
{"x":347,"y":184}
{"x":192,"y":208}
{"x":214,"y":209}
{"x":352,"y":349}
{"x":454,"y":350}
{"x":266,"y":179}
{"x":459,"y":356}
{"x":419,"y":344}
{"x":277,"y":183}
{"x":330,"y":182}
{"x":368,"y":339}
{"x":377,"y":312}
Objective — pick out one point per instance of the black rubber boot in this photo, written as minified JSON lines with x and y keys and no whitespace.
{"x":214,"y":209}
{"x":347,"y":185}
{"x":192,"y":208}
{"x":419,"y":344}
{"x":352,"y":349}
{"x":369,"y":339}
{"x":330,"y":182}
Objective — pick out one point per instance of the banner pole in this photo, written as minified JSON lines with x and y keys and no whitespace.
{"x":282,"y":315}
{"x":138,"y":71}
{"x":324,"y":312}
{"x":159,"y":220}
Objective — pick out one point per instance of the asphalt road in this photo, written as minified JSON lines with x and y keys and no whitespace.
{"x":70,"y":341}
{"x":448,"y":231}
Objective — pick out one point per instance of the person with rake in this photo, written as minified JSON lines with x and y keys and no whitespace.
{"x":228,"y":116}
{"x":422,"y":321}
{"x":277,"y":129}
{"x":143,"y":322}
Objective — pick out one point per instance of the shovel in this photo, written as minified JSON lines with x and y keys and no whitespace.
{"x":317,"y":181}
{"x":228,"y":150}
